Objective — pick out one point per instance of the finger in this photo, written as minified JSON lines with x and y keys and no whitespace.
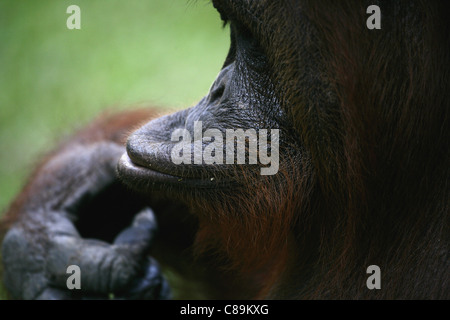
{"x":103,"y":268}
{"x":76,"y":174}
{"x":54,"y":294}
{"x":51,"y":293}
{"x":23,"y":261}
{"x":149,"y":285}
{"x":141,"y":232}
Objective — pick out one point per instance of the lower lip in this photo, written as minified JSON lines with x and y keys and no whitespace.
{"x":128,"y":168}
{"x":139,"y":177}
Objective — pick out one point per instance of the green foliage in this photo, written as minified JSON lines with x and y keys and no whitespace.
{"x":127,"y":54}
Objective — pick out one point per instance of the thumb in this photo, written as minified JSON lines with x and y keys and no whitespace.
{"x":141,"y":232}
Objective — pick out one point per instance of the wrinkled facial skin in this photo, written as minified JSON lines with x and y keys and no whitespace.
{"x":244,"y":96}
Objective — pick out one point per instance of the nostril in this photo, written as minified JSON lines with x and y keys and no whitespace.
{"x":219,"y":86}
{"x":217,"y":93}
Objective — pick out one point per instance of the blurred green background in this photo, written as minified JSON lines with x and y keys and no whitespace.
{"x":127,"y":54}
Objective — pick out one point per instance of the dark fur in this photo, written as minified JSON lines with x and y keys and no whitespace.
{"x":372,"y":185}
{"x":108,"y":127}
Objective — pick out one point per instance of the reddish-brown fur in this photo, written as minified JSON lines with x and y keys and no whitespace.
{"x":108,"y":127}
{"x":375,"y":189}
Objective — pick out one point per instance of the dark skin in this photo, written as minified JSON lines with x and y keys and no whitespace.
{"x":362,"y":180}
